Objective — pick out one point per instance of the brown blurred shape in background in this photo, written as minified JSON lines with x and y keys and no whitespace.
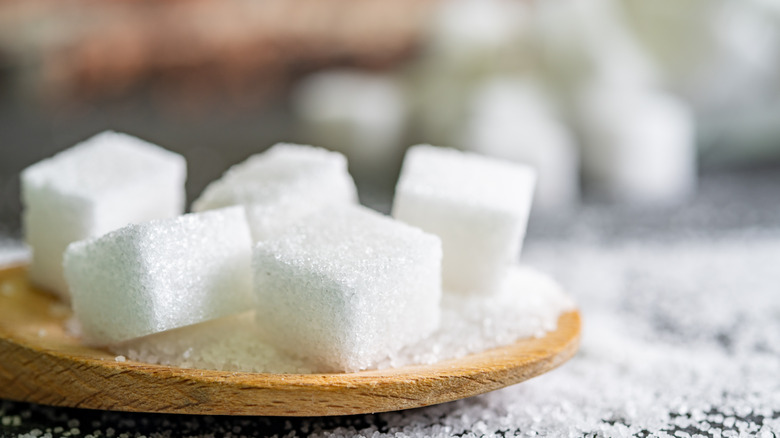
{"x":624,"y":100}
{"x":195,"y":53}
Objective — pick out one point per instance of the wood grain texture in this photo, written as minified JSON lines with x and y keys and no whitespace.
{"x":40,"y":363}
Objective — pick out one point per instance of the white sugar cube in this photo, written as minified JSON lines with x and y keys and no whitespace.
{"x":347,"y":287}
{"x":358,"y":113}
{"x":514,"y":120}
{"x":280,"y":185}
{"x":104,"y":183}
{"x":478,"y":206}
{"x":159,"y":275}
{"x":475,"y":28}
{"x":639,"y":145}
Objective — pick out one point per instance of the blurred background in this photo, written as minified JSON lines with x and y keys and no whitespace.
{"x":620,"y":104}
{"x":654,"y":125}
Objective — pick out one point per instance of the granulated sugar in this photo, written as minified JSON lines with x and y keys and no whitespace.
{"x":681,"y":338}
{"x":228,"y":344}
{"x":528,"y":306}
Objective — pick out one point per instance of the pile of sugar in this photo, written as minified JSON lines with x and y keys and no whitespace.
{"x":529,"y":305}
{"x":681,"y":339}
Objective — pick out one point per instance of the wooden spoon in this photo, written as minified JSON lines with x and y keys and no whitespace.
{"x":40,"y":363}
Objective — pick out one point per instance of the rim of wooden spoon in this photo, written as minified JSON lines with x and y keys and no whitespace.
{"x":40,"y":363}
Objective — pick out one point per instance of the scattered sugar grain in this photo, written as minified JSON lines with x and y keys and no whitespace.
{"x":120,"y":359}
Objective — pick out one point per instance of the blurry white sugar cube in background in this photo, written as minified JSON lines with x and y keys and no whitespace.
{"x":281,"y":185}
{"x":348,"y":287}
{"x":106,"y":182}
{"x":360,"y":114}
{"x":468,"y":28}
{"x":495,"y":105}
{"x":160,"y":275}
{"x":513,"y":120}
{"x":466,"y":39}
{"x":579,"y":39}
{"x":478,"y":206}
{"x":741,"y":60}
{"x":639,"y":145}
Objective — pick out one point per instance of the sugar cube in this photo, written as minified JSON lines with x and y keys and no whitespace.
{"x":159,"y":275}
{"x":639,"y":145}
{"x":478,"y":206}
{"x":281,"y":185}
{"x":104,"y":183}
{"x":358,"y":113}
{"x":514,"y":120}
{"x":347,"y":287}
{"x":475,"y":29}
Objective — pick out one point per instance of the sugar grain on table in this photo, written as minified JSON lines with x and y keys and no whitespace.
{"x":160,"y":275}
{"x":104,"y":183}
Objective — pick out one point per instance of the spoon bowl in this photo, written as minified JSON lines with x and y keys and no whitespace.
{"x":41,"y":363}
